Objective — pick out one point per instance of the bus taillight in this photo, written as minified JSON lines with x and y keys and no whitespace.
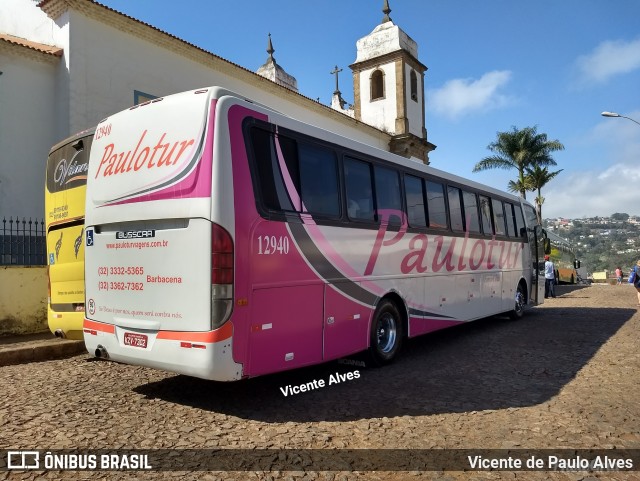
{"x":221,"y":275}
{"x":221,"y":256}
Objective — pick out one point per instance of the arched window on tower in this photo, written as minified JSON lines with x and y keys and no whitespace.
{"x":377,"y":84}
{"x":414,"y":85}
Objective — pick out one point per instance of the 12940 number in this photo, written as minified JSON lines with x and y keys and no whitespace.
{"x":271,"y":244}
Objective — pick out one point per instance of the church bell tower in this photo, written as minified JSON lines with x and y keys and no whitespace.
{"x":388,"y":82}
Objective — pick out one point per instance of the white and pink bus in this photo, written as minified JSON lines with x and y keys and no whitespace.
{"x":225,"y":240}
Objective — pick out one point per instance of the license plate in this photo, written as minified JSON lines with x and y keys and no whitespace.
{"x":135,"y":340}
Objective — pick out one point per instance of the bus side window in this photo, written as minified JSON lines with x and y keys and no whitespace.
{"x":498,"y":216}
{"x":471,"y":212}
{"x":436,"y":207}
{"x":357,"y":176}
{"x":485,"y":214}
{"x":511,"y":226}
{"x":273,"y":192}
{"x":414,"y":192}
{"x":318,"y":180}
{"x":287,"y":171}
{"x":521,"y":230}
{"x":455,"y":209}
{"x":388,"y":197}
{"x":531,"y":216}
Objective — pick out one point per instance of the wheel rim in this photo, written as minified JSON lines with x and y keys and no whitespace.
{"x":386,"y":333}
{"x":519,"y":302}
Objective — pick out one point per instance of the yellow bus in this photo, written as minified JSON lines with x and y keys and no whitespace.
{"x":564,"y":259}
{"x":65,"y":189}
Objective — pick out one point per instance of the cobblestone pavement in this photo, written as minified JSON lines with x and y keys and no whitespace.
{"x":565,"y":376}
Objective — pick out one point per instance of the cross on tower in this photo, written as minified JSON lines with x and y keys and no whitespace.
{"x":336,"y":71}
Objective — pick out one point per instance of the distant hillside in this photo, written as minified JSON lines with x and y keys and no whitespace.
{"x":601,"y":243}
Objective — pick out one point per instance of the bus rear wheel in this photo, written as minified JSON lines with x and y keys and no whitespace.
{"x":386,"y":333}
{"x":520,"y":302}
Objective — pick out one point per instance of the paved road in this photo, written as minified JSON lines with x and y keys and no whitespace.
{"x":566,"y":376}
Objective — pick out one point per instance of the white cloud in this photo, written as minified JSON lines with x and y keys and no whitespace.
{"x":608,"y":59}
{"x":459,"y":97}
{"x":613,"y":188}
{"x":589,"y":194}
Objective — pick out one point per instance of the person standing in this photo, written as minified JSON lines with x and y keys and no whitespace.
{"x":550,"y":278}
{"x":636,"y":282}
{"x":619,"y":275}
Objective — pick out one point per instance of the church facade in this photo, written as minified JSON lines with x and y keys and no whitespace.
{"x":67,"y":64}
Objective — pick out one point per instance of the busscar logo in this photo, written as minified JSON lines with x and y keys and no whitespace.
{"x":135,"y":234}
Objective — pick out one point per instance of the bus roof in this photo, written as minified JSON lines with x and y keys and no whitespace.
{"x":72,"y":138}
{"x":215,"y":92}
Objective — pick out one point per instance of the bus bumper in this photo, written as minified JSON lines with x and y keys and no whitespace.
{"x":206,"y":355}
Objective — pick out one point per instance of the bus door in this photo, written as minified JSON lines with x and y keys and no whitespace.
{"x":536,"y":244}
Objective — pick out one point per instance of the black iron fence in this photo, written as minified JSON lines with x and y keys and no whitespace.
{"x":22,"y":242}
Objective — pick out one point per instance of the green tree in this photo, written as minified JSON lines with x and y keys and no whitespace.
{"x":537,"y":178}
{"x":519,"y":149}
{"x":619,"y":216}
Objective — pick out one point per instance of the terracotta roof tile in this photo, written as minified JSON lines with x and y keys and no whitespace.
{"x":39,"y":47}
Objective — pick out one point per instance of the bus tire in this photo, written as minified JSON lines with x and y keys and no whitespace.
{"x":520,"y":303}
{"x":386,"y":333}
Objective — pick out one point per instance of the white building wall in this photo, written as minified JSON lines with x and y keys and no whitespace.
{"x":380,"y":113}
{"x":22,"y":18}
{"x":102,"y":66}
{"x":63,"y":126}
{"x":414,"y":109}
{"x":27,"y":120}
{"x":107,"y":66}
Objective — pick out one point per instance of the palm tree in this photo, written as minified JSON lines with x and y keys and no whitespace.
{"x":537,"y":178}
{"x":519,"y":149}
{"x":517,"y":186}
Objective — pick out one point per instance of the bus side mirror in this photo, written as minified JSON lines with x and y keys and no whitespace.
{"x":547,"y":246}
{"x":576,"y":264}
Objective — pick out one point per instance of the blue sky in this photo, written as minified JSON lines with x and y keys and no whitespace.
{"x":492,"y":64}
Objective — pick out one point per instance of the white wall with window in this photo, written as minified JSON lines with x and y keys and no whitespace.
{"x":380,"y":111}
